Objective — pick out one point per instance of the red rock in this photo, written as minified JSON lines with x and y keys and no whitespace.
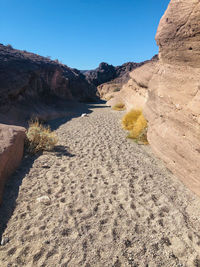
{"x":11,"y":151}
{"x":169,"y":92}
{"x":134,"y":93}
{"x":173,"y":106}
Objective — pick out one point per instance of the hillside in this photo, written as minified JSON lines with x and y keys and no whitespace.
{"x":32,"y":85}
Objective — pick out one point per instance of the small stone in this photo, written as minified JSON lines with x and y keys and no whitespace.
{"x":46,"y":167}
{"x":43,"y":199}
{"x":4,"y":241}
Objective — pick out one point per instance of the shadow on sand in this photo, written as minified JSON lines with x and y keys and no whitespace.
{"x":13,"y":184}
{"x":75,"y":110}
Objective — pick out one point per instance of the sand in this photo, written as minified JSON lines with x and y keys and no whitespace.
{"x":99,"y":199}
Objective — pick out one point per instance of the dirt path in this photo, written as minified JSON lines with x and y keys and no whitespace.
{"x":106,"y":202}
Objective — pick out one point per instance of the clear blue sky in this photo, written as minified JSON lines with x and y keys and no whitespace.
{"x":83,"y":33}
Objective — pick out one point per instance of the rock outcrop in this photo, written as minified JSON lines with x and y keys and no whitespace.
{"x":109,"y":78}
{"x":11,"y":151}
{"x":173,"y":106}
{"x":31,"y":85}
{"x":133,"y":93}
{"x":169,"y":91}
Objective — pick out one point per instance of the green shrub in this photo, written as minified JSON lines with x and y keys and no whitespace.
{"x":40,"y":137}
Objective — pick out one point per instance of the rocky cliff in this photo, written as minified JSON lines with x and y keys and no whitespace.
{"x":109,"y":78}
{"x":168,"y":90}
{"x":134,"y":92}
{"x":173,"y":106}
{"x":34,"y":85}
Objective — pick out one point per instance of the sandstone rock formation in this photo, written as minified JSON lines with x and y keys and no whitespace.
{"x":169,"y":92}
{"x":173,"y":106}
{"x":11,"y":151}
{"x":134,"y":93}
{"x":31,"y":85}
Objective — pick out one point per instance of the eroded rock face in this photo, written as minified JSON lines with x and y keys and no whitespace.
{"x":31,"y":84}
{"x":108,"y":76}
{"x":134,"y":93}
{"x":173,"y":106}
{"x":11,"y":151}
{"x":178,"y":34}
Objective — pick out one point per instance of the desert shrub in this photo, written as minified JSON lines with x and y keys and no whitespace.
{"x":119,"y":106}
{"x":39,"y":137}
{"x":135,"y":122}
{"x":130,"y":118}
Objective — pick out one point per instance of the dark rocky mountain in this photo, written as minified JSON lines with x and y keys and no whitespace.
{"x":122,"y":76}
{"x":105,"y":72}
{"x":36,"y":86}
{"x":30,"y":84}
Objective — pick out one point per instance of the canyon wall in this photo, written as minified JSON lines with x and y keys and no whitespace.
{"x":168,"y":90}
{"x":122,"y":81}
{"x":32,"y":85}
{"x":173,"y":106}
{"x":134,"y":93}
{"x":106,"y":73}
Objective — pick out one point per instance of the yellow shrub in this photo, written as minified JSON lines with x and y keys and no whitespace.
{"x":119,"y":106}
{"x":135,"y":122}
{"x":130,"y":118}
{"x":40,"y":137}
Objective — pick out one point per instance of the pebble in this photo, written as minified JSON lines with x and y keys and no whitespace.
{"x":44,"y":199}
{"x":83,"y":115}
{"x":4,"y":241}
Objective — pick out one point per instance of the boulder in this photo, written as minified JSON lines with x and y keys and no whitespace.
{"x":11,"y":151}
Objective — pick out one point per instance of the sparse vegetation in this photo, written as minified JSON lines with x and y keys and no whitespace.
{"x":40,"y":137}
{"x":135,"y":122}
{"x":119,"y":107}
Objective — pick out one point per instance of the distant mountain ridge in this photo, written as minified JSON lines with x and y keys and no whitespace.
{"x":32,"y":84}
{"x":106,"y":72}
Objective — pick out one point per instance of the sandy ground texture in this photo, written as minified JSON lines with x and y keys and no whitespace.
{"x":98,"y":200}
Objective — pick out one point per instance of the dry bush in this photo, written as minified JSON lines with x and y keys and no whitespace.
{"x":135,"y":122}
{"x":40,"y":137}
{"x":130,"y":118}
{"x":119,"y":107}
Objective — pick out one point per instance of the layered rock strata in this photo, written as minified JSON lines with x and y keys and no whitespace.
{"x":173,"y":106}
{"x":169,"y":92}
{"x":134,"y":93}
